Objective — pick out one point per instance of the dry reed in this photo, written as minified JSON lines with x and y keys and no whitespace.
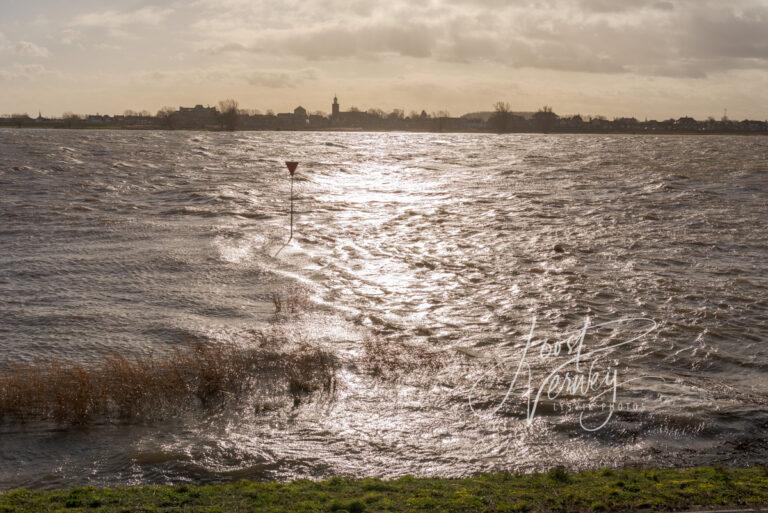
{"x":292,"y":301}
{"x":393,"y":360}
{"x":68,"y":392}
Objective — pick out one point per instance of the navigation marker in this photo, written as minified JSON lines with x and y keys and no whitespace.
{"x":291,"y":165}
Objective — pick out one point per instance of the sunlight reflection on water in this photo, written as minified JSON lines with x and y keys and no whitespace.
{"x":448,"y":244}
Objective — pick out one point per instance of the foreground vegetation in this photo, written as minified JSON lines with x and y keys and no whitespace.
{"x":556,"y":491}
{"x":202,"y":376}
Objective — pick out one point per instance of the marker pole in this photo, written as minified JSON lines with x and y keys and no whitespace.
{"x":292,"y":170}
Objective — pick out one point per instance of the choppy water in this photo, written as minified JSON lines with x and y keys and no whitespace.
{"x":143,"y":241}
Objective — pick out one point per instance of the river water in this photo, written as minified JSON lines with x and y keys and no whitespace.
{"x":460,"y":247}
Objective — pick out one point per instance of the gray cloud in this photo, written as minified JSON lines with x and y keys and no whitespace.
{"x":22,"y":49}
{"x":27,"y":49}
{"x":683,"y":38}
{"x":280,"y":79}
{"x":24,"y":72}
{"x":114,"y":19}
{"x":411,"y":40}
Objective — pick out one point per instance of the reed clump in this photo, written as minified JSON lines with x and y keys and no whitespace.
{"x":312,"y":369}
{"x":201,"y":376}
{"x":291,"y":301}
{"x":393,"y":360}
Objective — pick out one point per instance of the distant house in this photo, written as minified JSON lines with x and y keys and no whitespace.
{"x":300,"y":117}
{"x":572,"y":123}
{"x":686,"y":123}
{"x":98,"y":119}
{"x":626,"y":124}
{"x":599,"y":123}
{"x":318,"y":121}
{"x":293,"y":120}
{"x":258,"y":121}
{"x":473,"y":123}
{"x":197,"y":116}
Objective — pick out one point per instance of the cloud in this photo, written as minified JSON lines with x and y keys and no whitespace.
{"x":280,"y":79}
{"x":23,"y":49}
{"x":410,"y":40}
{"x":24,"y":72}
{"x":71,"y":37}
{"x":27,"y":49}
{"x":112,"y":19}
{"x":682,"y":38}
{"x":341,"y":41}
{"x":617,"y":6}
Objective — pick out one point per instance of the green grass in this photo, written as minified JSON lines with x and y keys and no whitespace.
{"x":557,"y":490}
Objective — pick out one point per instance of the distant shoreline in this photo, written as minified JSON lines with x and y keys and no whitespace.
{"x":369,"y":130}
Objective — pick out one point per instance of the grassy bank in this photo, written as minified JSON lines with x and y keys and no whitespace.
{"x":557,"y":490}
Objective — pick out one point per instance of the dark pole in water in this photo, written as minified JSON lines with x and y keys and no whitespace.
{"x":291,"y":169}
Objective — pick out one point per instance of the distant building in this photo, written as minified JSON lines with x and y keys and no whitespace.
{"x":352,"y":118}
{"x":293,"y":120}
{"x":285,"y":120}
{"x":319,"y":121}
{"x":300,"y":117}
{"x":98,"y":119}
{"x":686,"y":123}
{"x":197,"y":116}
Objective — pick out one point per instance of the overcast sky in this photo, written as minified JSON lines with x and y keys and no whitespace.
{"x":643,"y":58}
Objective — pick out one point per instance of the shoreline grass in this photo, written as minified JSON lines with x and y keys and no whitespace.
{"x":608,"y":490}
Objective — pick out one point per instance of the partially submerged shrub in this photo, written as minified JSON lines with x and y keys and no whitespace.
{"x":120,"y":387}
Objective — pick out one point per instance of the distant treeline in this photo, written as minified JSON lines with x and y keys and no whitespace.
{"x":228,"y":116}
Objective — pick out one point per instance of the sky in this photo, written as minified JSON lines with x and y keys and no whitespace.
{"x":644,"y":58}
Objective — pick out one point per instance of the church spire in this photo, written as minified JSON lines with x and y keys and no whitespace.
{"x":335,"y":107}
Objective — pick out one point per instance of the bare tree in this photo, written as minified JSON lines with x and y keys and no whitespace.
{"x":167,"y":117}
{"x":502,"y":107}
{"x":545,"y":119}
{"x":440,"y":120}
{"x":228,"y":114}
{"x":501,"y":118}
{"x":70,"y":119}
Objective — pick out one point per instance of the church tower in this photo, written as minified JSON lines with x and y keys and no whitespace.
{"x":335,"y":108}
